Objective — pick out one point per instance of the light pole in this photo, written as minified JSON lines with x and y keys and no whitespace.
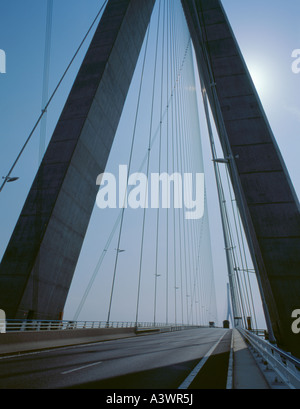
{"x":8,"y":179}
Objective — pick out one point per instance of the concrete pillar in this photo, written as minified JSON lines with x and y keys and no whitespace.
{"x":39,"y":263}
{"x":267,"y":200}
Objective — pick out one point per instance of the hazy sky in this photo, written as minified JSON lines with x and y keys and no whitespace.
{"x":267,"y":31}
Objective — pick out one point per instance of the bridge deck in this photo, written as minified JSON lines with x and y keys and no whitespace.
{"x":156,"y":361}
{"x":246,"y":373}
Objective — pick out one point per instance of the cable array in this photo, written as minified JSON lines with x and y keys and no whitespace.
{"x":155,"y":263}
{"x":49,"y":101}
{"x":169,"y":276}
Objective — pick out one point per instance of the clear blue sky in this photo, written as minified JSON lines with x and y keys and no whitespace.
{"x":267,"y":31}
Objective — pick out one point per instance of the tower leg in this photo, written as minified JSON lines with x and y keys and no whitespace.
{"x":41,"y":257}
{"x":266,"y":198}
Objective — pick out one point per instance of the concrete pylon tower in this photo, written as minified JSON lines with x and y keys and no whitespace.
{"x":268,"y":204}
{"x":40,"y":260}
{"x":41,"y":257}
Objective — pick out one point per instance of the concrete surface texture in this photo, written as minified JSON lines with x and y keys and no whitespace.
{"x":158,"y":361}
{"x":268,"y":204}
{"x":246,"y":373}
{"x":39,"y":263}
{"x":21,"y":342}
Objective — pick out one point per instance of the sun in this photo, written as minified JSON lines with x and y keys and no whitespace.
{"x":263,"y":78}
{"x":259,"y":77}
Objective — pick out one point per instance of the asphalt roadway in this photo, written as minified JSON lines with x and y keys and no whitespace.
{"x":156,"y":361}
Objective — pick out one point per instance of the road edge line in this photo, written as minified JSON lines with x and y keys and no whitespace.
{"x":188,"y":381}
{"x":229,"y":385}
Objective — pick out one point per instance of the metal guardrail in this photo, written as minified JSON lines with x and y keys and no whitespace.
{"x":44,"y":325}
{"x":260,"y":333}
{"x":284,"y":364}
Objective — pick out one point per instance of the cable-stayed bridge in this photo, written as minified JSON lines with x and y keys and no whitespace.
{"x":131,"y":127}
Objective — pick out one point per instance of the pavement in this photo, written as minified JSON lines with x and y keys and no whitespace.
{"x":156,"y":361}
{"x":124,"y":360}
{"x":246,"y":374}
{"x":15,"y":343}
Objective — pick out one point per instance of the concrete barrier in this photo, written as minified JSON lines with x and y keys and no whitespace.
{"x":148,"y":331}
{"x":30,"y":341}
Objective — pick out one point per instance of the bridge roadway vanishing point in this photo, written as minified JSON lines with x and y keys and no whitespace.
{"x":202,"y":358}
{"x":270,"y":211}
{"x":38,"y":266}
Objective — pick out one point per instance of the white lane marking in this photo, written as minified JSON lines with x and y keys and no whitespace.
{"x":82,"y":367}
{"x":188,"y":381}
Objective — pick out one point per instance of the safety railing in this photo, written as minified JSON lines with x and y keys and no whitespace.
{"x":260,"y":333}
{"x":44,"y":325}
{"x":284,"y":364}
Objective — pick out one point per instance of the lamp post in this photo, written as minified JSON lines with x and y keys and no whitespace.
{"x":8,"y":179}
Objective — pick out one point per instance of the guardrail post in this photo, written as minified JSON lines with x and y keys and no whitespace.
{"x":285,"y":366}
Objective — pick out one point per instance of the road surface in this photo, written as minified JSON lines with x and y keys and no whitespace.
{"x":156,"y":361}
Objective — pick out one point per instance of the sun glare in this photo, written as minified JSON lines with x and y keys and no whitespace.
{"x":260,"y":78}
